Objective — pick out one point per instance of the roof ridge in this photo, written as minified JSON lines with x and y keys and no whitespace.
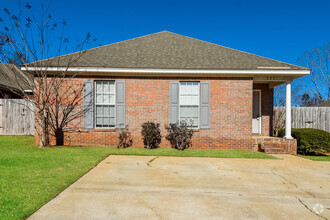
{"x":238,"y":50}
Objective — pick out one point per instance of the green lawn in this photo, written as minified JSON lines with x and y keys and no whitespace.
{"x":316,"y":158}
{"x":31,"y":176}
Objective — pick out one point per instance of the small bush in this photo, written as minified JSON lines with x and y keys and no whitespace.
{"x":179,"y":135}
{"x":151,"y":135}
{"x":125,"y":138}
{"x":309,"y":140}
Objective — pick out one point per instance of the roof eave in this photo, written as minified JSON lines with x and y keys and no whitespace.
{"x":107,"y":71}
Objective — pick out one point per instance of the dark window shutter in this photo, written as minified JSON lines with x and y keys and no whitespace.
{"x":120,"y":104}
{"x":174,"y":102}
{"x":205,"y":105}
{"x":88,"y":104}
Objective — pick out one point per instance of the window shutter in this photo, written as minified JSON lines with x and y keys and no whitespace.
{"x":205,"y":105}
{"x":120,"y":104}
{"x":174,"y":102}
{"x":88,"y":104}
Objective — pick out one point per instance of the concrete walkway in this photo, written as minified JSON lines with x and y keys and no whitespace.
{"x":144,"y":187}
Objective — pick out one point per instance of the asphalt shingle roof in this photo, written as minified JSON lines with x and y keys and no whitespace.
{"x":167,"y":50}
{"x":13,"y":78}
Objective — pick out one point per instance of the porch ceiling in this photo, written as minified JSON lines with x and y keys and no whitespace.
{"x":274,"y":81}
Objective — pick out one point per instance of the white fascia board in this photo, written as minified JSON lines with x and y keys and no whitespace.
{"x":178,"y":71}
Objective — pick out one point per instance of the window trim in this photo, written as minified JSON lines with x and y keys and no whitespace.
{"x":95,"y":104}
{"x":198,"y":105}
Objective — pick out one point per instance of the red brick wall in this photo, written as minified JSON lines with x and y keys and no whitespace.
{"x":147,"y":99}
{"x":266,"y":109}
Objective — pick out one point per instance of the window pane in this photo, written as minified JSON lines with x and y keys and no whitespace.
{"x":189,"y":93}
{"x":112,"y":111}
{"x":112,"y":87}
{"x":189,"y":114}
{"x":98,"y":87}
{"x":106,"y":111}
{"x":98,"y":122}
{"x":106,"y":122}
{"x":189,"y":111}
{"x":106,"y":99}
{"x":192,"y":122}
{"x":184,"y":100}
{"x":106,"y":87}
{"x":194,"y":111}
{"x":183,"y":88}
{"x":194,"y":89}
{"x":194,"y":100}
{"x":112,"y":99}
{"x":183,"y":112}
{"x":112,"y":121}
{"x":98,"y":98}
{"x":195,"y":123}
{"x":98,"y":111}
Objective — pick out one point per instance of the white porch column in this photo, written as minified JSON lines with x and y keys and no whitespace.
{"x":288,"y":111}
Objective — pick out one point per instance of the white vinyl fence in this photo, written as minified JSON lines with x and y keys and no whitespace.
{"x":309,"y":117}
{"x":16,"y":117}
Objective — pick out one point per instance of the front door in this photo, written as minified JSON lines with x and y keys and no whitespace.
{"x":256,"y":112}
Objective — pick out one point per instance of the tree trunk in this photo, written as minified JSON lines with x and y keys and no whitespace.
{"x":59,"y":135}
{"x":44,"y":141}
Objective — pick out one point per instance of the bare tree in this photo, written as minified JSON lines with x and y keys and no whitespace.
{"x":29,"y":41}
{"x":318,"y":60}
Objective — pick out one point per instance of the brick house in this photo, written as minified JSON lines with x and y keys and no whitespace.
{"x":165,"y":77}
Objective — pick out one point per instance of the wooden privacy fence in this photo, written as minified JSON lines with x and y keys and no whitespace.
{"x":307,"y":117}
{"x":16,"y":117}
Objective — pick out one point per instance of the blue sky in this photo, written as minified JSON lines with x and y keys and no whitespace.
{"x":281,"y":30}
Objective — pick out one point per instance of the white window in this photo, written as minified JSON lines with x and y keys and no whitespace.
{"x":105,"y":104}
{"x":189,"y":102}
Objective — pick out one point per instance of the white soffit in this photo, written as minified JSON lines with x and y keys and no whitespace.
{"x":178,"y":71}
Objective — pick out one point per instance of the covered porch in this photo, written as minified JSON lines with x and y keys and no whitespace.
{"x":262,"y":116}
{"x":262,"y":104}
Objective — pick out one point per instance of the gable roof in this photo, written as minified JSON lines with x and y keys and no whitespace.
{"x":167,"y":50}
{"x":324,"y":104}
{"x":13,"y":78}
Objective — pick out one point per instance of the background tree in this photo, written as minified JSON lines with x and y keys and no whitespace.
{"x":28,"y":40}
{"x":318,"y":82}
{"x":308,"y":101}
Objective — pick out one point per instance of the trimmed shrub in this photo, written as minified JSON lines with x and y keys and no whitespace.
{"x":310,"y":140}
{"x":151,"y":135}
{"x":125,"y":138}
{"x":179,"y":135}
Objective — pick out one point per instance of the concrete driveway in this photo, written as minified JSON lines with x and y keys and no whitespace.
{"x":144,"y":187}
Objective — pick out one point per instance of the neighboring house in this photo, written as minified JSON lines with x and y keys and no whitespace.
{"x":324,"y":104}
{"x":166,"y":77}
{"x":13,"y":82}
